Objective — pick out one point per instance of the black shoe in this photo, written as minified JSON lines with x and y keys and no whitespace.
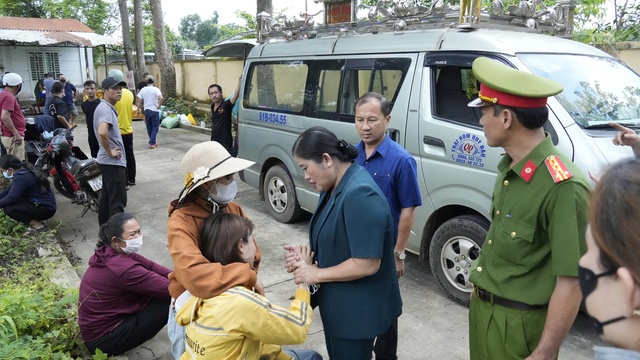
{"x":131,"y":183}
{"x":127,"y":187}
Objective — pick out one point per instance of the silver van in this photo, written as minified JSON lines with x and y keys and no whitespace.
{"x":290,"y":86}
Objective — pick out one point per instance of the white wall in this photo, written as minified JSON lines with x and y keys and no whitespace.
{"x":72,"y":63}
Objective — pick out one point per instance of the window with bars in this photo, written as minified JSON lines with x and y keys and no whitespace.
{"x":41,"y":63}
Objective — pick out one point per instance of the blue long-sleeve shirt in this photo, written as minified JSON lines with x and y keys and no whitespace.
{"x":25,"y":187}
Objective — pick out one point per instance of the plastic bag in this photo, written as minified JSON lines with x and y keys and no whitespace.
{"x":184,"y":120}
{"x":170,"y":122}
{"x":191,"y":119}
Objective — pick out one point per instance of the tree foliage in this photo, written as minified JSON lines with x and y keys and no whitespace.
{"x":100,"y":15}
{"x":209,"y":31}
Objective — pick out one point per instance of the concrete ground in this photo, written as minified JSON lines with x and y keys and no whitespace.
{"x":432,"y":326}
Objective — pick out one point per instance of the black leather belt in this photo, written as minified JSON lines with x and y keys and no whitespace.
{"x":497,"y":300}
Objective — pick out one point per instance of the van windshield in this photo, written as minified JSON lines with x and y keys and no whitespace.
{"x":597,"y":90}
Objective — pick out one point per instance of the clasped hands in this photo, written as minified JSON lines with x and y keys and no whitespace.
{"x":299,"y":261}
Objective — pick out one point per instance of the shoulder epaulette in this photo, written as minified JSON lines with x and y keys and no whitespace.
{"x":557,"y":169}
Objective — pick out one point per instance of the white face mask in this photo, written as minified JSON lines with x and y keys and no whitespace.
{"x":133,"y":245}
{"x":223,"y":193}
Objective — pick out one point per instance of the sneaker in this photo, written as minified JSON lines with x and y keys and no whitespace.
{"x":153,"y":146}
{"x":131,"y":183}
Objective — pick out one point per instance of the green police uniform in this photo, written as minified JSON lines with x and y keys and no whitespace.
{"x":539,"y":217}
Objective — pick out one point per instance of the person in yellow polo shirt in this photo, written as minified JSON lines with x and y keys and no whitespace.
{"x":526,"y":292}
{"x":124,"y":107}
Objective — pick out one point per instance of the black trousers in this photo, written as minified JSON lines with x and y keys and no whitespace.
{"x":27,"y":211}
{"x":127,"y":140}
{"x":134,"y":330}
{"x":113,"y":196}
{"x":93,"y":143}
{"x":386,"y":346}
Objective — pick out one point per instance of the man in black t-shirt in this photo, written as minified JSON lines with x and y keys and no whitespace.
{"x":58,"y":108}
{"x":88,"y":108}
{"x":221,"y":115}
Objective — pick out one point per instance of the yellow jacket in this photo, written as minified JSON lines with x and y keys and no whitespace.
{"x":240,"y":324}
{"x":124,"y":107}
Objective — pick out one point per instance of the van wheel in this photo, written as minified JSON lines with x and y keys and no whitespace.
{"x":454,"y":247}
{"x":281,"y":195}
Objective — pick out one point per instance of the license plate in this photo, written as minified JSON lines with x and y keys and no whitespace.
{"x":96,"y":183}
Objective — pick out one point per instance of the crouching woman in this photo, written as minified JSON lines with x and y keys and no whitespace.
{"x":28,"y":198}
{"x":124,"y":296}
{"x":240,"y":324}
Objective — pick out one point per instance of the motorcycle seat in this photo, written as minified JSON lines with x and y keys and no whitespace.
{"x":79,"y":165}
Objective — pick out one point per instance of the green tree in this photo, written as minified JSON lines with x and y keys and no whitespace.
{"x":100,"y":15}
{"x":189,"y":26}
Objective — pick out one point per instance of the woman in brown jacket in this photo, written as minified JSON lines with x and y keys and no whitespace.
{"x":209,"y":188}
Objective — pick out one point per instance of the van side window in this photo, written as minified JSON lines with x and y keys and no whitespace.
{"x":454,"y":88}
{"x":277,"y":86}
{"x":327,"y":91}
{"x":382,"y":75}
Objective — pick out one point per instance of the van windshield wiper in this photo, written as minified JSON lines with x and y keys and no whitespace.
{"x":632,"y":124}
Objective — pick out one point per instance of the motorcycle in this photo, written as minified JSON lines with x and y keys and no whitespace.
{"x":73,"y":174}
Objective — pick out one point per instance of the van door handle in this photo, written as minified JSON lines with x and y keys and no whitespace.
{"x":433,"y":141}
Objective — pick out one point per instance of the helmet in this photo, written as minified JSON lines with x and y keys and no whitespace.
{"x":115,"y":73}
{"x":11,"y":79}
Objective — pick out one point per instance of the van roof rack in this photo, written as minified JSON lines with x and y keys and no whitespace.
{"x":400,"y":15}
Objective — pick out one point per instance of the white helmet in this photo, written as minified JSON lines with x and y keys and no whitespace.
{"x":11,"y":79}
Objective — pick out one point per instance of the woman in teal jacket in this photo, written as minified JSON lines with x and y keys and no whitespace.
{"x":351,"y":235}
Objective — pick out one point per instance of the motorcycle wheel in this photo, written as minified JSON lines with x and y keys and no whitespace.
{"x":58,"y":185}
{"x":95,"y":200}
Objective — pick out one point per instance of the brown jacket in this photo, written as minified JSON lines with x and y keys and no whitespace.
{"x":191,"y":270}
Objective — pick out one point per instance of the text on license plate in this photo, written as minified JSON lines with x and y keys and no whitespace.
{"x":96,"y":183}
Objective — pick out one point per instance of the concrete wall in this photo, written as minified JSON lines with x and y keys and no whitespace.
{"x":628,"y":52}
{"x":72,"y":61}
{"x":193,"y":77}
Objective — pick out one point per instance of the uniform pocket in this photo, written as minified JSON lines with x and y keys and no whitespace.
{"x":516,"y":242}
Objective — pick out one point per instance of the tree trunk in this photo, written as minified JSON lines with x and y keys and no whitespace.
{"x":139,"y":40}
{"x":163,"y":53}
{"x":126,"y":34}
{"x":266,"y":6}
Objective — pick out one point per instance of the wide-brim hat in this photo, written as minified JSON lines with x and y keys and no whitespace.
{"x":208,"y":161}
{"x":501,"y":84}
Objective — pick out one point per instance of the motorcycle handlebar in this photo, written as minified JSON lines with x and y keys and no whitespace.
{"x":73,"y":127}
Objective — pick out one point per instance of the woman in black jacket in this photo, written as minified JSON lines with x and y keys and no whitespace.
{"x":28,"y":198}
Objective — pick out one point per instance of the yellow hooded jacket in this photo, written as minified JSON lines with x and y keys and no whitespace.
{"x":240,"y":324}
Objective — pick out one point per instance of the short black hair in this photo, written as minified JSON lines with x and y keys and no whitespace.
{"x":214,"y":85}
{"x":89,"y":83}
{"x":57,"y":87}
{"x":385,"y":105}
{"x":531,"y":118}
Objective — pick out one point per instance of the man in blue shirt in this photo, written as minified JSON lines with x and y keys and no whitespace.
{"x":395,"y":172}
{"x":70,"y":92}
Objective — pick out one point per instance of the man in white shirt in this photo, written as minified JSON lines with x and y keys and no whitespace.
{"x":151,"y":98}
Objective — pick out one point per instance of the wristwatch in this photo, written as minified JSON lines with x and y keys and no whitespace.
{"x":400,"y":255}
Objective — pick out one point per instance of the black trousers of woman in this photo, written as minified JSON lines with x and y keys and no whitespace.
{"x":27,"y":211}
{"x":134,"y":330}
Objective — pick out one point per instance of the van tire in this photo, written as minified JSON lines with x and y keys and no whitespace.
{"x":454,"y":247}
{"x":281,"y":195}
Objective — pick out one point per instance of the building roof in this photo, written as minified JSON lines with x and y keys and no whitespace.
{"x":54,"y":25}
{"x":16,"y":31}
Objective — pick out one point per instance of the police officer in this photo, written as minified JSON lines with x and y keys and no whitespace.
{"x":526,"y":293}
